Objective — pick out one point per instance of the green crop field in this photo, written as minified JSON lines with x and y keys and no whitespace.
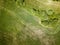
{"x":29,"y":22}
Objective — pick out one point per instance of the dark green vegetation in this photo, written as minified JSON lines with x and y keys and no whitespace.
{"x":56,"y":0}
{"x":29,"y":22}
